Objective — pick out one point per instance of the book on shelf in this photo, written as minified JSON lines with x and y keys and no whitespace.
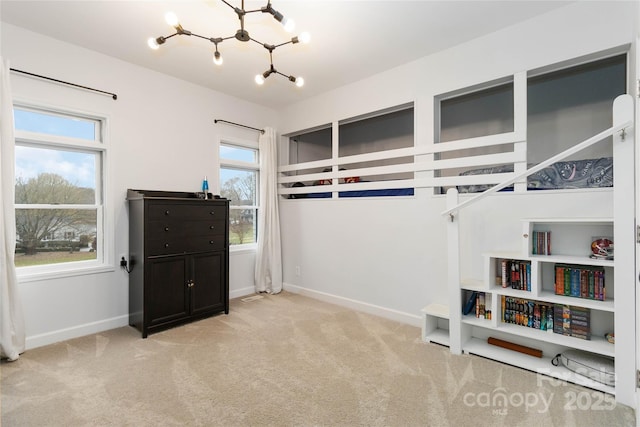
{"x":480,"y":305}
{"x":515,"y":274}
{"x":470,"y":304}
{"x":541,"y":243}
{"x":580,"y":281}
{"x":476,"y":304}
{"x":572,"y":321}
{"x":525,"y":312}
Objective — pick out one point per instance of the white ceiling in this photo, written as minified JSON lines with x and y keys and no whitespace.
{"x":350,"y":40}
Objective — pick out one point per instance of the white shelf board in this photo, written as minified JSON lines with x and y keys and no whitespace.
{"x":539,"y":365}
{"x":573,"y":259}
{"x":499,"y":290}
{"x":471,"y":319}
{"x":507,"y":255}
{"x":437,"y":310}
{"x":473,"y":285}
{"x":439,"y":336}
{"x":596,"y":344}
{"x":572,"y":220}
{"x":606,"y":305}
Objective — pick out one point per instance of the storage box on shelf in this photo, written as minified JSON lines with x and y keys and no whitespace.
{"x":512,"y":299}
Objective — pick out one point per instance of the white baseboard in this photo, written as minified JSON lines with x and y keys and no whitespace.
{"x":237,"y":293}
{"x":376,"y":310}
{"x":40,"y":340}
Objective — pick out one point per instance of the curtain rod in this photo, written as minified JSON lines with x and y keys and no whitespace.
{"x":238,"y":124}
{"x":113,"y":95}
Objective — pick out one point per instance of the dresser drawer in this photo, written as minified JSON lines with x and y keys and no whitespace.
{"x":173,"y":228}
{"x":202,"y":210}
{"x":177,"y":245}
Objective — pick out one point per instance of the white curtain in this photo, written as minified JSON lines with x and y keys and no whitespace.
{"x":11,"y":320}
{"x":268,"y":272}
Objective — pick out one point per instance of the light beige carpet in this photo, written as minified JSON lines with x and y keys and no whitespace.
{"x":284,"y":360}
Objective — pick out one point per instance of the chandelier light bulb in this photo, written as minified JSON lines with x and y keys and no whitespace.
{"x":288,"y":24}
{"x":217,"y":58}
{"x":304,"y":37}
{"x":299,"y":81}
{"x":153,"y":44}
{"x":171,"y":18}
{"x":259,"y":79}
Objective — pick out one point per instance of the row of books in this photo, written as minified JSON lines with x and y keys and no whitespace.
{"x":572,"y":321}
{"x":580,"y":281}
{"x":541,"y":243}
{"x":530,"y":313}
{"x":476,"y":303}
{"x":560,"y":318}
{"x":515,"y":274}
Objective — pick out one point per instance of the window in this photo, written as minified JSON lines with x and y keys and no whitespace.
{"x":239,"y":171}
{"x":382,"y":131}
{"x":570,"y":105}
{"x":474,"y":113}
{"x":359,"y":144}
{"x":59,"y":198}
{"x":565,"y":104}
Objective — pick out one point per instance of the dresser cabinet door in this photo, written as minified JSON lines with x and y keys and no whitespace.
{"x":166,"y":290}
{"x":208,"y":290}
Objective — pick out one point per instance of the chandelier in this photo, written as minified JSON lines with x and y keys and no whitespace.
{"x":242,"y":35}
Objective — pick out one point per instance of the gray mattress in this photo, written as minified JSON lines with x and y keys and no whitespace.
{"x":588,"y":173}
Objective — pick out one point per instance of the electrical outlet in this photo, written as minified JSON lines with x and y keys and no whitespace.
{"x":298,"y":270}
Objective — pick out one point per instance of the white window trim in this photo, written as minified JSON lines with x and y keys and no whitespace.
{"x":223,"y":163}
{"x":106,"y":239}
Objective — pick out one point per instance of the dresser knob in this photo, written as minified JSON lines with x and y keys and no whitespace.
{"x":211,"y":213}
{"x":166,"y":245}
{"x":166,"y":229}
{"x":211,"y":227}
{"x":211,"y":242}
{"x":166,"y":212}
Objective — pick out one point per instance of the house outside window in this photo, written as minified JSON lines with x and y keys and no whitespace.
{"x":239,"y":178}
{"x":59,"y":200}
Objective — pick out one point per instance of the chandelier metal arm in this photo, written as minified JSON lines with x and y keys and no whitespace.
{"x":203,"y":37}
{"x":289,"y":42}
{"x":165,"y":38}
{"x":230,"y":5}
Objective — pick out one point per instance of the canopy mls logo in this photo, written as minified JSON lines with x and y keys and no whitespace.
{"x":500,"y":401}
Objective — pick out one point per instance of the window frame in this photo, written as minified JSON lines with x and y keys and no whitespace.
{"x":243,"y":166}
{"x":385,"y":163}
{"x":527,"y":148}
{"x":104,"y":261}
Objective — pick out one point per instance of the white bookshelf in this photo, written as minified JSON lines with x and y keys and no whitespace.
{"x":474,"y":331}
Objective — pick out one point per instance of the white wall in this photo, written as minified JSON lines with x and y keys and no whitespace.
{"x":161,"y":137}
{"x":388,"y":256}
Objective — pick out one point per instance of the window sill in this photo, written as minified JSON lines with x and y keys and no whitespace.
{"x":26,"y":274}
{"x":242,"y":249}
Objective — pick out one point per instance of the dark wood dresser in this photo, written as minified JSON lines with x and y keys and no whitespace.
{"x":179,"y":258}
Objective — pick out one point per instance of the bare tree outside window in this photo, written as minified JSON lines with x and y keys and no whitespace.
{"x":50,"y":229}
{"x":239,"y":171}
{"x":241,"y":191}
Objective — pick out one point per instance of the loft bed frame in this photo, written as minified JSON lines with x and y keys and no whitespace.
{"x":301,"y":180}
{"x":622,"y":132}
